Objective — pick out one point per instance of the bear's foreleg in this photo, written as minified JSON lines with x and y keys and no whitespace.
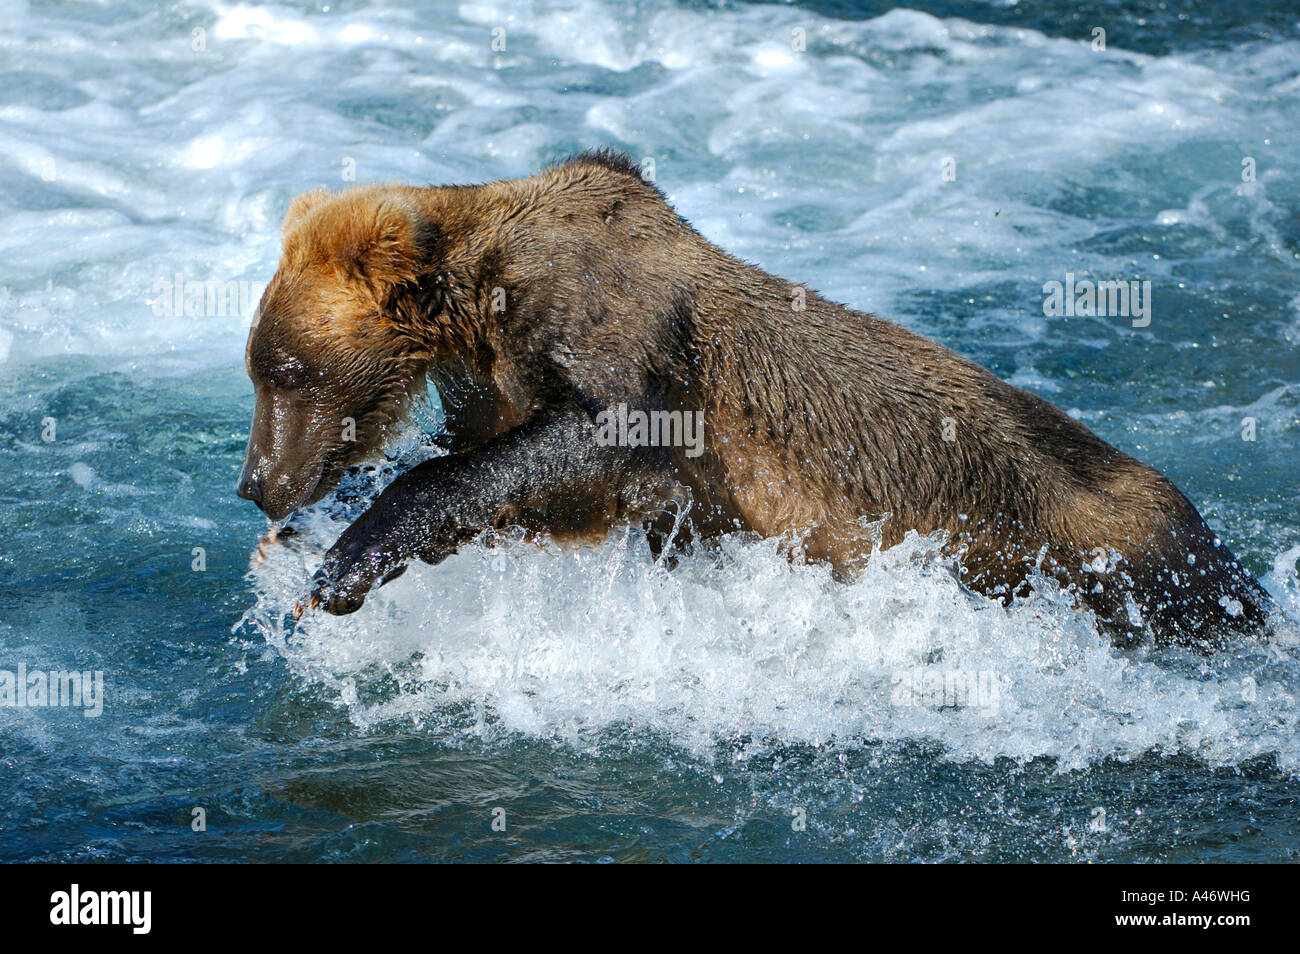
{"x":549,"y":475}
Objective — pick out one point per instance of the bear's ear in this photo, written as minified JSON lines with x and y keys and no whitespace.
{"x":379,"y":235}
{"x":301,"y":205}
{"x":387,"y":239}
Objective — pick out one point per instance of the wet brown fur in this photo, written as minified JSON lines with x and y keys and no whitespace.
{"x":816,"y":420}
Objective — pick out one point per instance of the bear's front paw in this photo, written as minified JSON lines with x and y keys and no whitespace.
{"x":347,"y":575}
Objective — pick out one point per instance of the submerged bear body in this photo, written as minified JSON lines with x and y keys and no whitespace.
{"x":540,"y":307}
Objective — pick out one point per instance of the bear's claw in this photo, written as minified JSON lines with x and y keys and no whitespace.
{"x":303,"y":605}
{"x":337,"y":604}
{"x":275,"y":536}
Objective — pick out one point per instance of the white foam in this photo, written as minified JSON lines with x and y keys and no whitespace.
{"x":822,"y":165}
{"x":571,"y":645}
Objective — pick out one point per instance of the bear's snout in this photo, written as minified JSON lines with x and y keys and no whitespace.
{"x":278,"y":494}
{"x":250,"y":487}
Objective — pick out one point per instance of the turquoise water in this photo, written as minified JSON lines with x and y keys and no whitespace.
{"x":736,"y":708}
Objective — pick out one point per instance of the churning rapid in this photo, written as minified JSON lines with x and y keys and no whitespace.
{"x":941,"y":171}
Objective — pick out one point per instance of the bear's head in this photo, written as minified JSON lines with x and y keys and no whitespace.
{"x":338,"y":349}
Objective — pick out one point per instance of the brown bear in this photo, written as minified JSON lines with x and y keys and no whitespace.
{"x":546,"y":309}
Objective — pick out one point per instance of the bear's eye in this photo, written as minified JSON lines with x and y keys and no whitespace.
{"x":287,"y":376}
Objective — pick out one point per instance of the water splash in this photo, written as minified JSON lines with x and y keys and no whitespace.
{"x":739,"y":642}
